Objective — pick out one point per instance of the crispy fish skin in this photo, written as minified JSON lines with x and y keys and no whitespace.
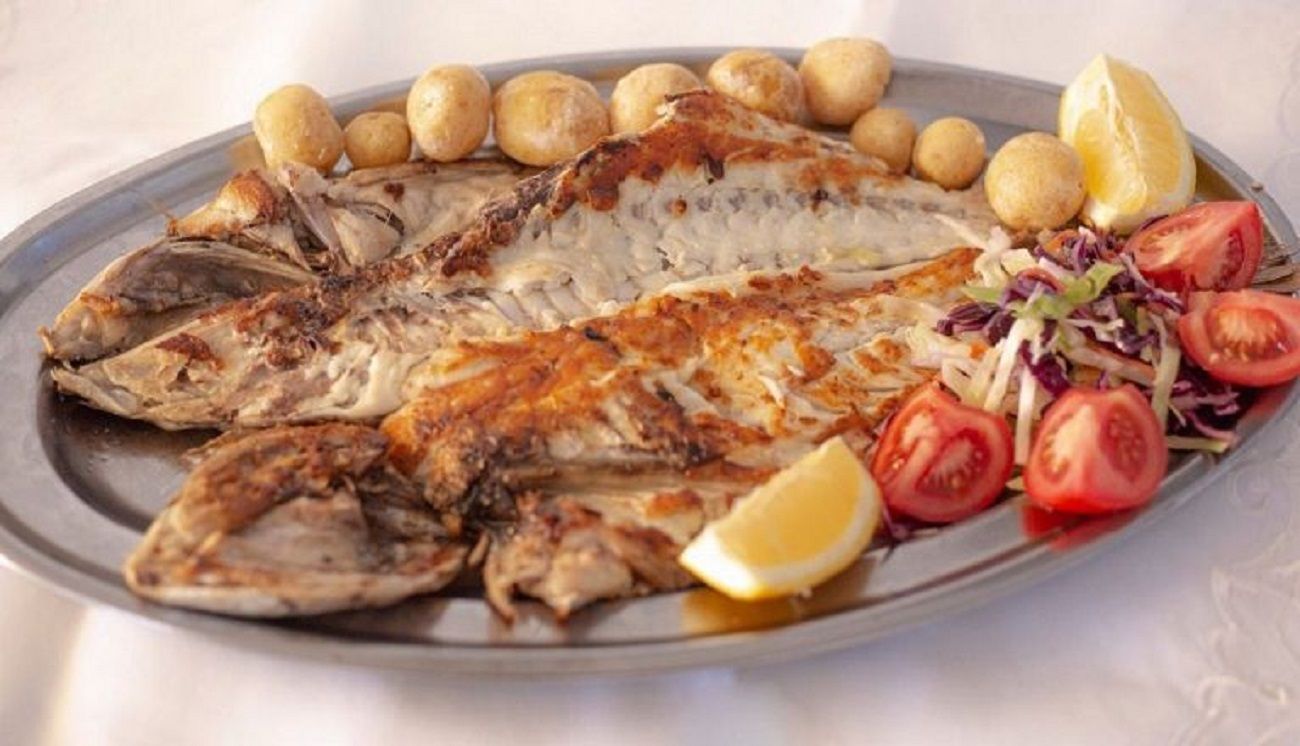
{"x":712,"y":189}
{"x":677,"y":380}
{"x":619,"y":437}
{"x":293,"y":522}
{"x":262,"y":234}
{"x":590,"y":455}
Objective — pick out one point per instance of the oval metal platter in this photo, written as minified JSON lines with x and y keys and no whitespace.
{"x":77,"y":488}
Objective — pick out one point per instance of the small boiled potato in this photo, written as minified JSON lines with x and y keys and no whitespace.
{"x":949,"y":152}
{"x":887,"y":134}
{"x":544,"y":117}
{"x":1035,"y":181}
{"x":294,"y":123}
{"x":448,"y":109}
{"x":760,"y":80}
{"x":842,"y":78}
{"x":377,"y":138}
{"x":637,"y":95}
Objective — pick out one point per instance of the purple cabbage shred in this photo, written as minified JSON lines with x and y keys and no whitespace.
{"x":1202,"y":406}
{"x":1048,"y":370}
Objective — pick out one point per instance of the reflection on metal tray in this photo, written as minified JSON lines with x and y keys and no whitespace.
{"x":78,"y":487}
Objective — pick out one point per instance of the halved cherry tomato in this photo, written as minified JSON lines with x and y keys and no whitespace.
{"x":1210,"y":246}
{"x":1096,"y":450}
{"x":1248,"y":337}
{"x":939,"y":460}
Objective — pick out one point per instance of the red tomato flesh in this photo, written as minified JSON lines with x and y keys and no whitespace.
{"x":1247,"y":337}
{"x":1096,"y":451}
{"x":939,"y":460}
{"x":1209,"y":246}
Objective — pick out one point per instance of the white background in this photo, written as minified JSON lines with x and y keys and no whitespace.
{"x":1188,"y":633}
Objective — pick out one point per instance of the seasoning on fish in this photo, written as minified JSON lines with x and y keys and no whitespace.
{"x":711,"y":189}
{"x":588,"y":455}
{"x":294,"y":521}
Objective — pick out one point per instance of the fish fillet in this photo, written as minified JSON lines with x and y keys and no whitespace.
{"x":589,"y":455}
{"x":262,"y":234}
{"x":711,"y":189}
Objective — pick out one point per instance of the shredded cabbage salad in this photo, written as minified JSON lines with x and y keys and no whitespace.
{"x":1073,"y":310}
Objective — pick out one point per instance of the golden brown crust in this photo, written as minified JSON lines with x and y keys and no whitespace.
{"x":567,"y":447}
{"x":239,"y":483}
{"x":705,"y":132}
{"x":293,"y":521}
{"x":247,"y":199}
{"x":194,"y":349}
{"x":543,"y":383}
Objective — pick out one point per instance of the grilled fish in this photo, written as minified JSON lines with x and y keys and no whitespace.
{"x":262,"y":234}
{"x":589,"y":455}
{"x":286,"y":522}
{"x":711,"y":189}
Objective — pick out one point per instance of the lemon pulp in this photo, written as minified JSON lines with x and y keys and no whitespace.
{"x":1137,"y":159}
{"x":804,"y":525}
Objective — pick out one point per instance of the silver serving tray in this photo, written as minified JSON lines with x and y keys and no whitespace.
{"x":77,"y":487}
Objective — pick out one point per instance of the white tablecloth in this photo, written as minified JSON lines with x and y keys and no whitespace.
{"x":1190,"y":631}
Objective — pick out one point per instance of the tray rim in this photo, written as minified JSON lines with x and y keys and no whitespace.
{"x":799,"y":639}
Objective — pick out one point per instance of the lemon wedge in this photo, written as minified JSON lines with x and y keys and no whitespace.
{"x":1137,"y":161}
{"x":804,"y":525}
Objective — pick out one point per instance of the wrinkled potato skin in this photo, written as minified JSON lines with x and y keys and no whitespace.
{"x":448,"y":109}
{"x":541,"y":118}
{"x":377,"y":138}
{"x":843,"y":78}
{"x":887,"y":134}
{"x":1035,"y":181}
{"x":949,"y":152}
{"x":760,"y":80}
{"x":637,"y":95}
{"x":295,"y":124}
